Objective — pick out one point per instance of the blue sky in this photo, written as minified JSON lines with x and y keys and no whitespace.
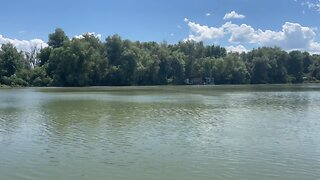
{"x":169,"y":20}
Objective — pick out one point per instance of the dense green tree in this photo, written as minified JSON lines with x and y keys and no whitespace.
{"x":12,"y":65}
{"x":128,"y":67}
{"x":75,"y":64}
{"x":235,"y":71}
{"x":39,"y":77}
{"x":314,"y":68}
{"x":207,"y":67}
{"x":215,"y":51}
{"x":177,"y":60}
{"x":275,"y":65}
{"x":260,"y":70}
{"x":307,"y":61}
{"x":11,"y":61}
{"x":278,"y":72}
{"x":58,"y":38}
{"x":114,"y":49}
{"x":295,"y":66}
{"x":190,"y":50}
{"x":44,"y":55}
{"x":88,"y":61}
{"x":163,"y":54}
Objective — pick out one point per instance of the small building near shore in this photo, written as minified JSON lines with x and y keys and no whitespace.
{"x":200,"y":81}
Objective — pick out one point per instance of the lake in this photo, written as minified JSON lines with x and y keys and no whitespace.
{"x":161,"y":133}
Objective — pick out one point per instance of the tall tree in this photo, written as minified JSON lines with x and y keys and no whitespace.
{"x":295,"y":66}
{"x":11,"y":61}
{"x":58,"y":38}
{"x":260,"y":70}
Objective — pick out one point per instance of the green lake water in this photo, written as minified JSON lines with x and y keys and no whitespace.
{"x":161,"y":133}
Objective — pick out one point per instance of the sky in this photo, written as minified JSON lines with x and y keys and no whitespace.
{"x":238,"y":25}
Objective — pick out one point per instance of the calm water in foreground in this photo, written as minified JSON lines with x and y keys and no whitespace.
{"x":161,"y":133}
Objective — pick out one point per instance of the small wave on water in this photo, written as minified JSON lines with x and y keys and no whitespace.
{"x":183,"y":134}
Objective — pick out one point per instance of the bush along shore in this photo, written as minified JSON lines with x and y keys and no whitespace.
{"x":88,"y":61}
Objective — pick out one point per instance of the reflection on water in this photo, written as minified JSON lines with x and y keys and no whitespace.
{"x":214,"y":132}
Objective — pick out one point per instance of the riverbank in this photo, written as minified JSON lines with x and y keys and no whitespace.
{"x":304,"y":83}
{"x":4,"y":86}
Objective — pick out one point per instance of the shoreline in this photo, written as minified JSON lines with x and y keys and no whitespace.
{"x":161,"y":86}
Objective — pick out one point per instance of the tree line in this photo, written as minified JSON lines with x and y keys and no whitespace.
{"x":88,"y":61}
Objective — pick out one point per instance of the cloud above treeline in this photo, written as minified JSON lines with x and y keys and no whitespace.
{"x":24,"y":45}
{"x":28,"y":45}
{"x":202,"y":32}
{"x":233,"y":15}
{"x":88,"y":33}
{"x":293,"y":36}
{"x":238,"y":48}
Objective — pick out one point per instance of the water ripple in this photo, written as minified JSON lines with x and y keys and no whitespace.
{"x":183,"y":133}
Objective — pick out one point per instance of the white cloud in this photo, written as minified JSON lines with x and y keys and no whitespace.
{"x":242,"y":33}
{"x":239,"y":49}
{"x":24,"y":45}
{"x":202,"y":33}
{"x":208,"y":14}
{"x":233,"y":15}
{"x":315,"y":47}
{"x":293,"y":36}
{"x":314,"y":5}
{"x":88,"y":33}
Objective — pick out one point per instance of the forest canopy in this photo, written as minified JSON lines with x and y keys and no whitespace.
{"x":88,"y":61}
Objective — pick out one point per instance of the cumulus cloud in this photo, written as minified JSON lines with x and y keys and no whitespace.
{"x":24,"y":45}
{"x":233,"y":15}
{"x":239,"y":49}
{"x":200,"y":32}
{"x":293,"y":36}
{"x":315,"y":47}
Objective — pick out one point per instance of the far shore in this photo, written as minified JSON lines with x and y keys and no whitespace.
{"x":212,"y":85}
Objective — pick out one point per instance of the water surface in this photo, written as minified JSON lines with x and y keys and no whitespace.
{"x":178,"y":133}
